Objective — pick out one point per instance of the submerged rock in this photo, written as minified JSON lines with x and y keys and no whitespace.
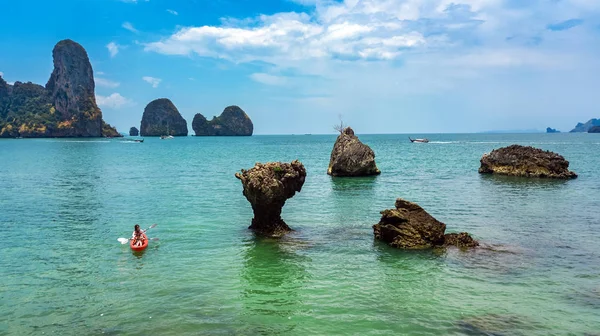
{"x":267,"y":187}
{"x":65,"y":107}
{"x":408,"y":226}
{"x":134,"y":131}
{"x":232,"y":122}
{"x":525,"y":161}
{"x":350,"y":157}
{"x":161,"y":117}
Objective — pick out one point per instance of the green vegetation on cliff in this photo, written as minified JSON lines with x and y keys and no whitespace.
{"x":66,"y":107}
{"x":232,"y":122}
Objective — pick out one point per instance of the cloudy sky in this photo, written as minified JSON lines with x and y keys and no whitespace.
{"x":295,"y":66}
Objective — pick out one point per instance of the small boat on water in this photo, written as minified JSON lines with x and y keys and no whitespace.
{"x":141,"y":247}
{"x":165,"y":137}
{"x":138,"y":140}
{"x":418,"y":140}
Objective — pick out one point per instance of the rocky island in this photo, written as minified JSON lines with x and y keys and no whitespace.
{"x":595,"y":129}
{"x":134,"y":131}
{"x":350,"y":157}
{"x":408,"y":226}
{"x":552,"y":130}
{"x":525,"y":161}
{"x":582,"y":128}
{"x":232,"y":122}
{"x":65,"y":107}
{"x":161,"y":117}
{"x":267,"y":187}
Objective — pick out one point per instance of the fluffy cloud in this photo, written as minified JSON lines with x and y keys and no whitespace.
{"x":113,"y":49}
{"x":1,"y":73}
{"x":130,"y":27}
{"x":152,"y":81}
{"x":114,"y":101}
{"x":106,"y":83}
{"x":172,"y":12}
{"x":360,"y":55}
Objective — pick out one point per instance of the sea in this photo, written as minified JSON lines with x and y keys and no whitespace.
{"x":65,"y":202}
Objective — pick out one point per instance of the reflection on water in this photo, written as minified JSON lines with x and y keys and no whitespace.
{"x":353,"y":185}
{"x":273,"y":275}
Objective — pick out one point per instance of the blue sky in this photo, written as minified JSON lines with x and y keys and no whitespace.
{"x":295,"y":66}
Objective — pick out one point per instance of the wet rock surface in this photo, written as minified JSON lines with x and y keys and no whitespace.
{"x":232,"y":122}
{"x":267,"y":187}
{"x":350,"y":157}
{"x":161,"y":117}
{"x":409,"y":226}
{"x":525,"y":161}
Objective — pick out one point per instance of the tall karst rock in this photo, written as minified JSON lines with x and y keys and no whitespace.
{"x":66,"y":107}
{"x":232,"y":122}
{"x":161,"y":117}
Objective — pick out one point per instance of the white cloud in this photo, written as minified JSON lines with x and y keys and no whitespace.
{"x":114,"y":101}
{"x":1,"y":73}
{"x":113,"y":49}
{"x":106,"y":83}
{"x":268,"y":79}
{"x":172,"y":12}
{"x":152,"y":81}
{"x":10,"y":83}
{"x":99,"y":73}
{"x":130,"y":27}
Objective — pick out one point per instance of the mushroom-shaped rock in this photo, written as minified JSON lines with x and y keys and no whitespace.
{"x":267,"y":187}
{"x":408,"y":226}
{"x":134,"y":131}
{"x":350,"y":157}
{"x":525,"y":161}
{"x":161,"y":117}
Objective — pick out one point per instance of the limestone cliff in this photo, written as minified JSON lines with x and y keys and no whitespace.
{"x":66,"y":107}
{"x":350,"y":157}
{"x":232,"y":122}
{"x":582,"y":128}
{"x":161,"y":117}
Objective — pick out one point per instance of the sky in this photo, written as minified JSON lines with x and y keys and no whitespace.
{"x":297,"y":66}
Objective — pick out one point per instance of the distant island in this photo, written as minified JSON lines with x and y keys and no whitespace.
{"x":582,"y":128}
{"x":65,"y":107}
{"x":552,"y":130}
{"x":232,"y":122}
{"x":161,"y":117}
{"x":595,"y":129}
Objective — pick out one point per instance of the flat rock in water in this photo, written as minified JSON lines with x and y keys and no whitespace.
{"x":525,"y":161}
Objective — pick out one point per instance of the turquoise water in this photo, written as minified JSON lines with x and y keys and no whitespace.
{"x":64,"y":203}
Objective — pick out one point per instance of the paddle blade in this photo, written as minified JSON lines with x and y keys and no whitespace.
{"x":123,"y":240}
{"x":154,"y":239}
{"x":152,"y":226}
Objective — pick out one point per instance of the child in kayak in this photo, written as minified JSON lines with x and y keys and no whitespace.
{"x":138,"y":236}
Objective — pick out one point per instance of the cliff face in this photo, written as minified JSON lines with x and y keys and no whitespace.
{"x":350,"y":157}
{"x":232,"y":122}
{"x":66,"y":107}
{"x":161,"y":117}
{"x":582,"y":128}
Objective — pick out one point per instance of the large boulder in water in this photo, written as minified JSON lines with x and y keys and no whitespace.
{"x":526,"y":161}
{"x":408,"y":226}
{"x":134,"y":131}
{"x":66,"y":107}
{"x":161,"y":117}
{"x":232,"y":122}
{"x":350,"y":157}
{"x":267,"y":187}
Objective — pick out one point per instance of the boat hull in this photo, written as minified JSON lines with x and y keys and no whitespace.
{"x":139,"y":248}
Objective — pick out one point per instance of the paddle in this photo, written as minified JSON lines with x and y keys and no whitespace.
{"x":126,"y":240}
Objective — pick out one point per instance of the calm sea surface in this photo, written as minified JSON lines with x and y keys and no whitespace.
{"x":64,"y":203}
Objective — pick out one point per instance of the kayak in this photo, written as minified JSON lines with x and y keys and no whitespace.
{"x":139,"y":248}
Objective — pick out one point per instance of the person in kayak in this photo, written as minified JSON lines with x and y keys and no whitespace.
{"x":138,"y":236}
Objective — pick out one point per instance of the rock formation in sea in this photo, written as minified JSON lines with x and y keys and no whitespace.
{"x":582,"y":128}
{"x":350,"y":157}
{"x":161,"y":117}
{"x":267,"y":187}
{"x":134,"y":131}
{"x":552,"y":130}
{"x":232,"y":122}
{"x":525,"y":161}
{"x":66,"y":107}
{"x":408,"y":226}
{"x":594,"y":129}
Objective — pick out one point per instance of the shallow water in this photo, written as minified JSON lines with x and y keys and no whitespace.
{"x":64,"y":203}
